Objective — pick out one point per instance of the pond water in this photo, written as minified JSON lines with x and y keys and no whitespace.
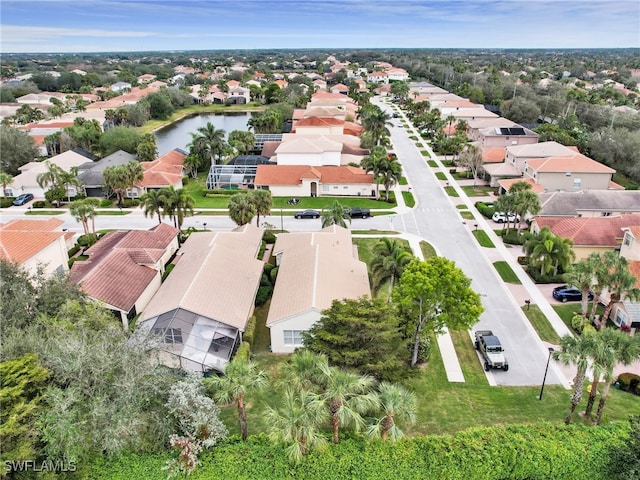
{"x":177,"y":135}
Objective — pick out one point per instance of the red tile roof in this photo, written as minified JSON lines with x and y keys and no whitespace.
{"x":506,"y":183}
{"x":493,"y":154}
{"x":22,"y":239}
{"x":318,"y":122}
{"x":634,"y":268}
{"x":119,"y":268}
{"x":164,"y":171}
{"x":575,"y":163}
{"x":590,"y":231}
{"x":294,"y":174}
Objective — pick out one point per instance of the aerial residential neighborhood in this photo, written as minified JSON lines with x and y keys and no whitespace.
{"x":224,"y":256}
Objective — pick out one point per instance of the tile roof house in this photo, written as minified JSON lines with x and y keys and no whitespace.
{"x":91,"y":173}
{"x":589,"y":234}
{"x":314,"y":270}
{"x":205,"y":303}
{"x":316,"y":125}
{"x":311,"y":181}
{"x":589,"y":203}
{"x":27,"y":180}
{"x":36,"y":243}
{"x":125,"y":267}
{"x":627,"y":312}
{"x":165,"y":171}
{"x":570,"y":173}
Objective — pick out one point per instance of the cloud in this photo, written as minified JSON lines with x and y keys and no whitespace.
{"x":16,"y":33}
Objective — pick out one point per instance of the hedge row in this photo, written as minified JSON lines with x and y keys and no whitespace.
{"x":539,"y":451}
{"x":486,"y":209}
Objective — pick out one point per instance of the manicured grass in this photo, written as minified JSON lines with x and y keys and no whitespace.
{"x":477,"y":191}
{"x":567,"y":310}
{"x":441,"y":176}
{"x":462,"y":175}
{"x":366,"y":245}
{"x":542,"y":326}
{"x":113,"y":212}
{"x":403,"y":181}
{"x":45,"y":212}
{"x":461,"y":206}
{"x":506,"y":273}
{"x":427,"y":250}
{"x":262,"y":335}
{"x":409,"y":199}
{"x":467,"y":215}
{"x":425,"y":153}
{"x":374,"y":232}
{"x":413,"y":137}
{"x":483,"y":239}
{"x":451,"y":191}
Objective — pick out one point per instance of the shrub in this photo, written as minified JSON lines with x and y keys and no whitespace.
{"x":87,"y":240}
{"x":39,"y":204}
{"x":74,"y":260}
{"x":534,"y":273}
{"x":629,"y":382}
{"x":273,"y":275}
{"x":244,"y":350}
{"x":514,"y":239}
{"x":106,"y":203}
{"x":267,"y":269}
{"x":269,"y":237}
{"x":73,"y":250}
{"x":264,"y":292}
{"x":185,"y":180}
{"x":485,"y":208}
{"x":264,"y":280}
{"x":130,"y":202}
{"x":453,"y":171}
{"x":6,"y":202}
{"x":250,"y":331}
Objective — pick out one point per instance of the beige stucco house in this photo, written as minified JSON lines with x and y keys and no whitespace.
{"x":315,"y":268}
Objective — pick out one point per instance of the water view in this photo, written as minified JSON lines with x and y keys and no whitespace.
{"x":177,"y":135}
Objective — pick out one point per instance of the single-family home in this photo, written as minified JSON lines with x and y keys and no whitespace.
{"x":125,"y":267}
{"x":377,"y":77}
{"x":120,"y":86}
{"x":571,"y":173}
{"x":589,"y":203}
{"x":314,"y":269}
{"x":626,"y":313}
{"x":91,"y":174}
{"x":165,"y":171}
{"x":34,"y":244}
{"x":201,"y":310}
{"x":146,"y":78}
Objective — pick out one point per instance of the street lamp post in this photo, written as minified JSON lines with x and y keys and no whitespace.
{"x":551,"y":350}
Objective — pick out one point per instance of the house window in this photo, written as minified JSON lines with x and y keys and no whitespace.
{"x":568,"y":174}
{"x":335,"y":187}
{"x":132,"y":193}
{"x":627,"y":239}
{"x":9,"y":193}
{"x":605,"y":214}
{"x":621,"y":318}
{"x":345,"y":187}
{"x":577,"y":182}
{"x":293,"y":337}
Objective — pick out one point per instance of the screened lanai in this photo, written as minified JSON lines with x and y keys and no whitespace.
{"x":198,"y":343}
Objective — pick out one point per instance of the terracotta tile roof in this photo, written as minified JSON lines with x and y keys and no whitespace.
{"x":493,"y":154}
{"x":293,"y":174}
{"x":298,"y":113}
{"x":575,"y":163}
{"x":352,"y":128}
{"x":590,"y":231}
{"x":22,"y":239}
{"x":634,"y":268}
{"x":318,"y":122}
{"x":309,"y":144}
{"x":120,"y":265}
{"x":336,"y":96}
{"x":508,"y":182}
{"x":164,"y":171}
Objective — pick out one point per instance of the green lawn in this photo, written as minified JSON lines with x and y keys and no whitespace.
{"x":113,"y":212}
{"x":409,"y":199}
{"x":467,"y":215}
{"x":441,"y":176}
{"x":451,"y":191}
{"x":542,"y":326}
{"x":567,"y":310}
{"x":365,"y":247}
{"x":44,"y":212}
{"x":427,"y":250}
{"x":506,"y":273}
{"x":477,"y":191}
{"x":483,"y":239}
{"x":403,"y":181}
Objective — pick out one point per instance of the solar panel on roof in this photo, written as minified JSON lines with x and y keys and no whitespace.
{"x":517,"y":131}
{"x":504,"y":131}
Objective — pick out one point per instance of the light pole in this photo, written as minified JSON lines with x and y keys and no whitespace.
{"x":551,"y":350}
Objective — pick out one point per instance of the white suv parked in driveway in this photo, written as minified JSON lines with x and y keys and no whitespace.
{"x":501,"y":217}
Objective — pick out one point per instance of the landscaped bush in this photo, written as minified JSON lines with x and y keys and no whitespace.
{"x":273,"y":275}
{"x":6,"y":202}
{"x":267,"y":269}
{"x":87,"y":240}
{"x":106,"y":203}
{"x":74,"y":260}
{"x":532,"y":452}
{"x":250,"y":330}
{"x":269,"y":237}
{"x":244,"y":350}
{"x":39,"y":204}
{"x":534,"y":273}
{"x":485,"y":208}
{"x":264,"y":292}
{"x":73,"y":250}
{"x":514,"y":239}
{"x":629,"y":382}
{"x":130,"y":202}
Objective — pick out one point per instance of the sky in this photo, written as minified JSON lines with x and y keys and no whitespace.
{"x":161,"y":25}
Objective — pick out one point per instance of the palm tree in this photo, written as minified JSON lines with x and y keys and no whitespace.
{"x":6,"y":179}
{"x":296,"y":421}
{"x":304,"y":370}
{"x":602,"y":361}
{"x":193,"y":162}
{"x":115,"y":178}
{"x":580,"y":275}
{"x":181,"y":204}
{"x":208,"y":139}
{"x":506,"y":203}
{"x":153,"y":204}
{"x":134,"y":173}
{"x":576,"y":351}
{"x":396,"y":404}
{"x":347,"y":396}
{"x":373,"y":163}
{"x":390,"y":258}
{"x":390,"y":174}
{"x":241,"y":377}
{"x":549,"y":252}
{"x":375,"y":120}
{"x":618,"y":280}
{"x":262,"y":202}
{"x":626,"y":350}
{"x":81,"y":212}
{"x":50,"y":177}
{"x":334,"y":215}
{"x":241,"y":209}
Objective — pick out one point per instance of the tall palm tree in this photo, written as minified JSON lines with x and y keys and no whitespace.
{"x":390,"y":174}
{"x":296,"y":421}
{"x":115,"y":178}
{"x":618,"y":280}
{"x":181,"y":204}
{"x":396,"y":404}
{"x":334,"y":215}
{"x":134,"y":173}
{"x":506,"y":203}
{"x":6,"y":179}
{"x":580,"y":275}
{"x":373,"y":163}
{"x":51,"y":176}
{"x":153,"y":204}
{"x":602,"y":360}
{"x":262,"y":202}
{"x":549,"y":252}
{"x":390,"y":258}
{"x":304,"y":370}
{"x":526,"y":202}
{"x":80,"y":211}
{"x":626,"y":350}
{"x":209,"y":139}
{"x":376,"y":121}
{"x":576,"y":351}
{"x":347,"y":396}
{"x":241,"y":209}
{"x":241,"y":377}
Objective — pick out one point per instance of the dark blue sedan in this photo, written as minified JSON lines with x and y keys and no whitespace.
{"x":565,"y":293}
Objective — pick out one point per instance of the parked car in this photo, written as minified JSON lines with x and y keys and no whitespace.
{"x":566,"y":293}
{"x":395,"y":115}
{"x":307,"y":214}
{"x":502,"y":217}
{"x":22,"y":199}
{"x":356,"y":212}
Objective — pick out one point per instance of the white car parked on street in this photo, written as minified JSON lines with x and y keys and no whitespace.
{"x":501,"y":217}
